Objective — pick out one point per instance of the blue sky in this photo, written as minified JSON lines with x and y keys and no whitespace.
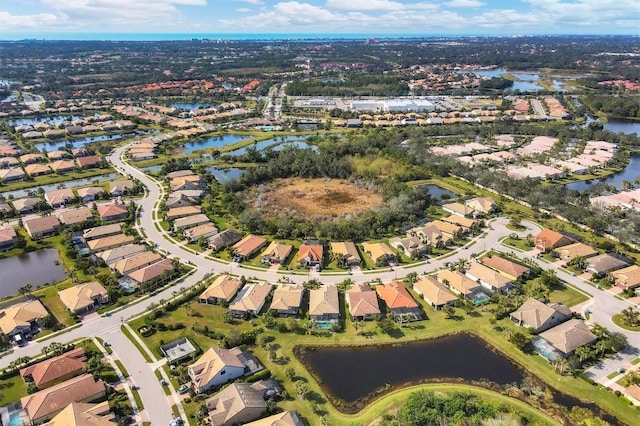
{"x":34,"y":18}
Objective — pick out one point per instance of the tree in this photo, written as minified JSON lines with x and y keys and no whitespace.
{"x":302,"y":388}
{"x":630,"y":317}
{"x":25,"y":290}
{"x":290,"y":373}
{"x":617,"y":341}
{"x":583,"y":353}
{"x":386,"y":325}
{"x":521,"y":340}
{"x":449,"y":311}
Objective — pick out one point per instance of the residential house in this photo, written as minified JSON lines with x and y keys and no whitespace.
{"x":88,"y":162}
{"x":287,"y":299}
{"x":111,"y":212}
{"x":152,"y":272}
{"x":571,"y":251}
{"x":90,"y":193}
{"x":435,"y":293}
{"x":42,"y":227}
{"x":189,"y":221}
{"x":179,"y":199}
{"x":6,"y":162}
{"x":399,"y":301}
{"x":628,"y":277}
{"x":431,"y":235}
{"x":59,"y":197}
{"x":467,"y":224}
{"x":63,"y":166}
{"x":568,"y":336}
{"x":7,"y":237}
{"x":179,"y":174}
{"x":26,"y":205}
{"x":80,"y":151}
{"x":240,"y":403}
{"x":84,"y":414}
{"x":324,"y":304}
{"x":549,"y":240}
{"x":116,"y":254}
{"x":57,"y":154}
{"x":31,"y":158}
{"x":84,"y":297}
{"x":101,"y":231}
{"x":459,"y":209}
{"x":185,"y":183}
{"x":250,"y":299}
{"x":380,"y":253}
{"x":349,"y":251}
{"x":45,"y":404}
{"x":286,"y":418}
{"x":459,"y":283}
{"x":248,"y":246}
{"x":485,"y":205}
{"x":539,"y":316}
{"x":179,"y":212}
{"x":362,"y":302}
{"x":201,"y":231}
{"x":310,"y":254}
{"x":450,"y":231}
{"x":411,"y":246}
{"x":34,"y":170}
{"x":224,"y":239}
{"x":488,"y":278}
{"x":118,"y":188}
{"x":107,"y":243}
{"x":223,"y":288}
{"x":5,"y":209}
{"x":135,"y":262}
{"x":604,"y":263}
{"x":506,"y":267}
{"x":55,"y":370}
{"x":75,"y":216}
{"x":276,"y":253}
{"x":12,"y":174}
{"x":215,"y":367}
{"x":22,"y":318}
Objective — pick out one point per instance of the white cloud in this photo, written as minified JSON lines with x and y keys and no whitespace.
{"x":254,"y":2}
{"x":10,"y":22}
{"x":465,"y":3}
{"x":244,"y":10}
{"x":364,"y":5}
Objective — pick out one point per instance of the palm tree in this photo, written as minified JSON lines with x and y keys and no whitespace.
{"x":25,"y":290}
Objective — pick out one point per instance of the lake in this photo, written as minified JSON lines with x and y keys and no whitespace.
{"x":55,"y":119}
{"x":353,"y":373}
{"x":625,"y":126}
{"x":191,"y":107}
{"x":278,"y":143}
{"x":629,"y":173}
{"x":76,"y":143}
{"x":439,"y":192}
{"x":225,"y":175}
{"x":213,"y":142}
{"x":36,"y":268}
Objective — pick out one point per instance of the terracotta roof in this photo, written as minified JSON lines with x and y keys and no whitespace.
{"x":90,"y":160}
{"x":52,"y":369}
{"x":549,"y":239}
{"x":396,"y":296}
{"x":151,"y":272}
{"x":223,"y":287}
{"x":62,"y":165}
{"x":433,"y":291}
{"x":71,"y":217}
{"x":178,"y":212}
{"x":59,"y":196}
{"x":90,"y":190}
{"x":312,"y":251}
{"x":50,"y":401}
{"x":324,"y":300}
{"x":20,"y":315}
{"x":249,"y":245}
{"x":362,"y":300}
{"x":112,"y":210}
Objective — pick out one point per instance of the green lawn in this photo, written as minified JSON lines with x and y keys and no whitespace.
{"x":12,"y":389}
{"x":618,"y":320}
{"x":121,"y":367}
{"x":435,"y":326}
{"x":567,"y":296}
{"x":520,"y":244}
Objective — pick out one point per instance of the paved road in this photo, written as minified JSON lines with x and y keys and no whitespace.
{"x":603,"y":304}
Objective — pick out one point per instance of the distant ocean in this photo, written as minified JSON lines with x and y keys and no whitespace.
{"x":187,"y":36}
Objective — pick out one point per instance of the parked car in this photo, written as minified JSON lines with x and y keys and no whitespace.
{"x":183,"y":388}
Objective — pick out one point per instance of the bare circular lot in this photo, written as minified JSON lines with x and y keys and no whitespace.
{"x":312,"y":198}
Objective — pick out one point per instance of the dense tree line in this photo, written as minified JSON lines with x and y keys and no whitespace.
{"x":354,"y":85}
{"x":615,"y":106}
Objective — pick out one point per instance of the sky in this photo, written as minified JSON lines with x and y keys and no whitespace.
{"x":60,"y":18}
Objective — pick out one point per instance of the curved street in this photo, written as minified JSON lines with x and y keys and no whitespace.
{"x":602,"y":305}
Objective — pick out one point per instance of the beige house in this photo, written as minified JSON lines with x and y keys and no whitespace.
{"x":276,"y":253}
{"x":349,"y":250}
{"x":21,"y":318}
{"x":506,"y":267}
{"x":488,"y":278}
{"x":250,"y":300}
{"x":190,"y":221}
{"x":42,"y":227}
{"x":101,"y":231}
{"x":362,"y":302}
{"x":215,"y":367}
{"x":114,"y":255}
{"x":200,"y":231}
{"x":286,"y":418}
{"x":435,"y":293}
{"x":133,"y":263}
{"x":58,"y":197}
{"x":239,"y":403}
{"x":287,"y":299}
{"x":324,"y":304}
{"x":458,"y":283}
{"x":539,"y":316}
{"x":569,"y":336}
{"x":224,"y":287}
{"x":571,"y":251}
{"x":485,"y":205}
{"x":72,"y":217}
{"x":151,"y":272}
{"x":84,"y":297}
{"x":107,"y":243}
{"x":459,"y":209}
{"x":628,"y":277}
{"x":84,"y":414}
{"x":380,"y":253}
